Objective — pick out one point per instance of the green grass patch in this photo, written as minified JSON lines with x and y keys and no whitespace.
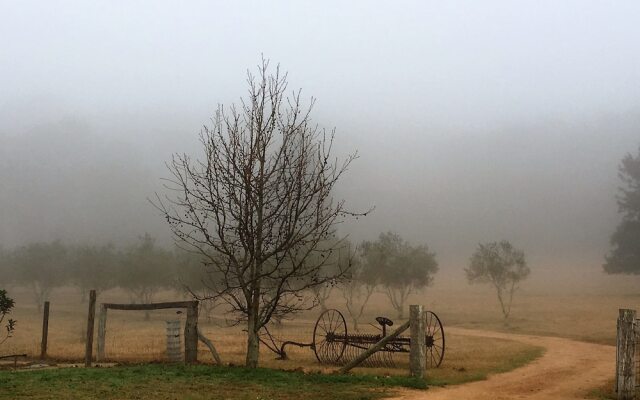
{"x":158,"y":381}
{"x":606,"y":392}
{"x":501,"y":356}
{"x":199,"y":382}
{"x":508,"y":364}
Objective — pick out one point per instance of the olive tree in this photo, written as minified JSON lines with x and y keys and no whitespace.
{"x":258,"y":202}
{"x":190,"y":278}
{"x":94,"y":267}
{"x":502,"y":266}
{"x":43,"y":266}
{"x":145,"y":268}
{"x":402,"y":268}
{"x":624,"y":257}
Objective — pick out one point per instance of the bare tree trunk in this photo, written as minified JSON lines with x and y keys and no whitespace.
{"x":398,"y":298}
{"x":513,"y":289}
{"x":350,"y":294}
{"x":253,"y":342}
{"x":503,"y":307}
{"x":253,"y":325}
{"x":355,"y":324}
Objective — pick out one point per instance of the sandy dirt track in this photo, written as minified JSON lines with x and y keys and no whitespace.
{"x":569,"y":369}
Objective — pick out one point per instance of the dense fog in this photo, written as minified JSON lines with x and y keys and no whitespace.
{"x":505,"y":121}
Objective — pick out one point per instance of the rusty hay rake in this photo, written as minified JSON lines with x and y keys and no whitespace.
{"x":334,"y":345}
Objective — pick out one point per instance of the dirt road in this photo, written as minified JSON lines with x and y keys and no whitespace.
{"x":568,"y":370}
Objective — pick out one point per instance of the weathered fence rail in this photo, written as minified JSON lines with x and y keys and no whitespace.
{"x":190,"y":326}
{"x":15,"y":358}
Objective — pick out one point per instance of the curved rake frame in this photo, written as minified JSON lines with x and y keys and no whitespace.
{"x":332,"y":343}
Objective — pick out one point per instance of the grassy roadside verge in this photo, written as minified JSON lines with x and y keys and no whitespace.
{"x":180,"y":382}
{"x":157,"y":381}
{"x":480,"y":371}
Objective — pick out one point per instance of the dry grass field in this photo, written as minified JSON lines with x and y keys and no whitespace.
{"x":131,"y":339}
{"x":586,"y":317}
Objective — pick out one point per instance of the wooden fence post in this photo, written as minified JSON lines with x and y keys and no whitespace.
{"x":102,"y":331}
{"x":625,"y":355}
{"x":88,"y":355}
{"x":191,"y":334}
{"x":417,"y":352}
{"x":45,"y":331}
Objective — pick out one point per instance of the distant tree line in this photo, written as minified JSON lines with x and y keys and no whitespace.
{"x":389,"y":265}
{"x":141,"y":269}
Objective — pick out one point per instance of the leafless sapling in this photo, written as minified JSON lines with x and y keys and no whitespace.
{"x":258,"y":203}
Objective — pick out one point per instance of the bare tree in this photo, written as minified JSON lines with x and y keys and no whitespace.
{"x":501,"y":265}
{"x":259,"y":203}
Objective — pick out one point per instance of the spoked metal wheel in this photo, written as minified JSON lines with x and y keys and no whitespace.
{"x":434,"y":340}
{"x":330,"y":337}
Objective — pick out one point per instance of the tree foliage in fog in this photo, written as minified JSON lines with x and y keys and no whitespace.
{"x":624,"y":257}
{"x":142,"y":268}
{"x":146,"y":268}
{"x":402,"y":268}
{"x":191,"y":279}
{"x":501,"y":265}
{"x":94,"y":267}
{"x":6,"y":306}
{"x":357,"y":289}
{"x":259,"y":203}
{"x":42,"y":266}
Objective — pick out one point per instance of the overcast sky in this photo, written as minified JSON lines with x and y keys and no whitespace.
{"x":475,"y":121}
